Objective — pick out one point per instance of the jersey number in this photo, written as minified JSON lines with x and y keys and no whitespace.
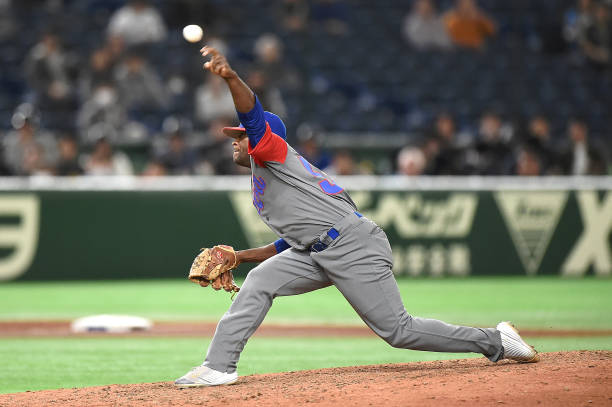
{"x":326,"y":185}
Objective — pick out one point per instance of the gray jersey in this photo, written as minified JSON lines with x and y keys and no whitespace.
{"x":296,"y":200}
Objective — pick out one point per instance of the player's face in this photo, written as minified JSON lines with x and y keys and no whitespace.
{"x":241,"y":152}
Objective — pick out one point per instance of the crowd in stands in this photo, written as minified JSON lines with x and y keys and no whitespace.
{"x":479,"y":89}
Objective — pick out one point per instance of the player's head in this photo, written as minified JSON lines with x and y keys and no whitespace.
{"x":241,"y":141}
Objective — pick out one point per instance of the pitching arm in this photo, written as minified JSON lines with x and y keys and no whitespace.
{"x":250,"y":112}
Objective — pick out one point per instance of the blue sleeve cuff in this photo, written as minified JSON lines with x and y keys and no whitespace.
{"x":254,"y":122}
{"x":281,"y":245}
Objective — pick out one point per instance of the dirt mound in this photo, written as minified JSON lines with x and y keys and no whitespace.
{"x":560,"y":379}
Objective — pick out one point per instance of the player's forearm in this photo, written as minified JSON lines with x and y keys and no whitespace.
{"x":256,"y":255}
{"x":243,"y":96}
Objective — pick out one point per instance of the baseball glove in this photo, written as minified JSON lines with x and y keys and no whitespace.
{"x":213,"y":267}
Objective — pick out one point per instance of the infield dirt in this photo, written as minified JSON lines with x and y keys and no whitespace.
{"x":197,"y":329}
{"x":580,"y":378}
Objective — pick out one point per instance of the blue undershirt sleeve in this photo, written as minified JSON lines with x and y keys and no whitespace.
{"x":281,"y":245}
{"x":254,"y":122}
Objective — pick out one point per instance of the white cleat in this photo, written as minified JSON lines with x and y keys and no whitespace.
{"x":200,"y":376}
{"x":515,"y":348}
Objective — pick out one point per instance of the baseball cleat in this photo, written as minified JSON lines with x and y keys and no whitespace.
{"x":515,"y":348}
{"x":200,"y":376}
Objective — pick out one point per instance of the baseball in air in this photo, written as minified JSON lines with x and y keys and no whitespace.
{"x":192,"y":33}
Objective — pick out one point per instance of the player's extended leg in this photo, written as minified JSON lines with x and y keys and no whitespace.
{"x":359,"y":263}
{"x":288,"y":273}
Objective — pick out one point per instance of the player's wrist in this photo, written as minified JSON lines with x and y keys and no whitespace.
{"x":240,"y":256}
{"x":230,"y":75}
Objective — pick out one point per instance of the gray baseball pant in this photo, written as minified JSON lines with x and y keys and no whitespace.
{"x":358,"y":262}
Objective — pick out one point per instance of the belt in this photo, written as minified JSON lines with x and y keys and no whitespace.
{"x":332,"y":234}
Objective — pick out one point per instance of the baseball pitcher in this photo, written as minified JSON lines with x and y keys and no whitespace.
{"x":324,"y":240}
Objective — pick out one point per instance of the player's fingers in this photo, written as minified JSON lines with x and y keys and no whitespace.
{"x":207,"y":50}
{"x":227,"y":282}
{"x":207,"y":65}
{"x":216,"y":284}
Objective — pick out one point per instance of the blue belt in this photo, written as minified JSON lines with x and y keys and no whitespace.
{"x":333,"y":233}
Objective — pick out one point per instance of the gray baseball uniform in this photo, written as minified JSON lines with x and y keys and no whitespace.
{"x":330,"y":244}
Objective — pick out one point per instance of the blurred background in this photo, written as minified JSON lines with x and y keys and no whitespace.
{"x":388,"y":87}
{"x":478,"y":134}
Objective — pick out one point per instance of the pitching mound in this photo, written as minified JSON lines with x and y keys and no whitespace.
{"x":560,"y":379}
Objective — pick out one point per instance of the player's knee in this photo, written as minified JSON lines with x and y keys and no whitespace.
{"x":393,"y":340}
{"x":400,"y":335}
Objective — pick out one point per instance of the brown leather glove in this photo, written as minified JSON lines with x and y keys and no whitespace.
{"x":213,"y":267}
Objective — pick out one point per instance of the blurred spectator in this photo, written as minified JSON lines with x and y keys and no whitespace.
{"x":104,"y":161}
{"x":467,"y":25}
{"x":101,"y":110}
{"x":332,"y":14}
{"x":99,"y":71}
{"x":424,"y":29}
{"x":431,"y":150}
{"x":68,"y":164}
{"x":540,"y":142}
{"x":115,"y":46}
{"x":137,"y":22}
{"x":449,"y":155}
{"x":270,"y":96}
{"x":213,"y":100}
{"x":528,"y":163}
{"x":179,"y":159}
{"x":27,"y":144}
{"x":269,"y":60}
{"x":597,"y":41}
{"x":309,"y":145}
{"x":8,"y":22}
{"x":294,"y":14}
{"x":34,"y":162}
{"x":411,"y":161}
{"x":50,"y":72}
{"x":491,"y":154}
{"x":139,"y":85}
{"x":580,"y":157}
{"x":577,"y":20}
{"x":154,"y":168}
{"x":342,"y":164}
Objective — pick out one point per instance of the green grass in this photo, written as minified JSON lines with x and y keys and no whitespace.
{"x":42,"y":363}
{"x":36,"y":363}
{"x":530,"y":302}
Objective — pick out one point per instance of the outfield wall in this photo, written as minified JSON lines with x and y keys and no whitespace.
{"x":107,"y":228}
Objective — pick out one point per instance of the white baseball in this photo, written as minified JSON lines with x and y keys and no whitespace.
{"x":193,"y":33}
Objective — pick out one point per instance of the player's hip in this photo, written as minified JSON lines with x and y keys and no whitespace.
{"x":356,"y":239}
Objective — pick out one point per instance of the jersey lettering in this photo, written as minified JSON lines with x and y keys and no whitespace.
{"x":259,"y":185}
{"x":326,"y":185}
